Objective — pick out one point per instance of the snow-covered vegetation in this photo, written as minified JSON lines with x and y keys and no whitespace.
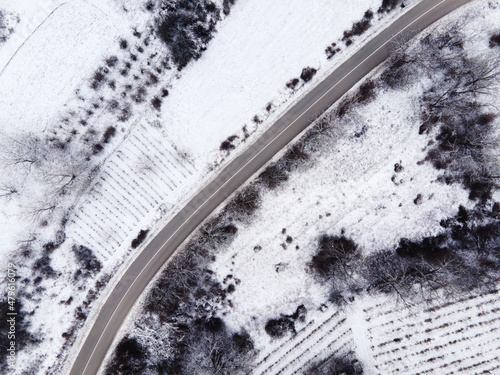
{"x":370,"y":244}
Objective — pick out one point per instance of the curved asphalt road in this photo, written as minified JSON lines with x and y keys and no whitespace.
{"x":158,"y":251}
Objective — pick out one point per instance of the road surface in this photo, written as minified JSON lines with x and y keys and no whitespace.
{"x":158,"y":251}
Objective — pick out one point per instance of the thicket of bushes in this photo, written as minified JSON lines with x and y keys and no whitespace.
{"x":453,"y":107}
{"x":130,"y":358}
{"x":186,"y":27}
{"x":141,"y":236}
{"x":23,"y":335}
{"x":279,"y":327}
{"x":336,"y":365}
{"x":495,"y":40}
{"x":465,"y":256}
{"x":388,"y":5}
{"x":7,"y":22}
{"x":88,"y":262}
{"x":187,"y":298}
{"x":358,"y":28}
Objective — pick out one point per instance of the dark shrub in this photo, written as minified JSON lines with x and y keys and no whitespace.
{"x":292,"y":83}
{"x":140,"y":238}
{"x":214,"y":324}
{"x":480,"y":188}
{"x":294,"y":156}
{"x":299,"y":314}
{"x":335,"y":366}
{"x":43,"y":266}
{"x":430,"y":248}
{"x":277,"y":328}
{"x":226,"y":6}
{"x":359,"y":27}
{"x":86,"y":258}
{"x":113,"y":105}
{"x":331,"y":50}
{"x":344,"y":107}
{"x":226,"y":146}
{"x":495,"y":40}
{"x":108,"y":134}
{"x":366,"y":92}
{"x":156,"y":103}
{"x":125,"y":114}
{"x":140,"y":95}
{"x":334,"y":254}
{"x":98,"y":79}
{"x":153,"y":79}
{"x":273,"y":176}
{"x":123,"y":44}
{"x":245,"y":202}
{"x":243,"y":342}
{"x":307,"y":74}
{"x":418,"y":199}
{"x":97,"y":148}
{"x":388,"y":5}
{"x":129,"y":358}
{"x":216,"y":233}
{"x":112,"y":61}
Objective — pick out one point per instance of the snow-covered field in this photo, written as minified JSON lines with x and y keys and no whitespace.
{"x":50,"y":64}
{"x":117,"y":207}
{"x":155,"y":160}
{"x":30,"y":14}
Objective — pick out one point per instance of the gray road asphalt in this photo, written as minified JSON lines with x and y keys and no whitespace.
{"x":158,"y":251}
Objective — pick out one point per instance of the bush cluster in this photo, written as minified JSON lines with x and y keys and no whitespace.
{"x":140,"y":238}
{"x":186,"y":26}
{"x":358,"y":28}
{"x":129,"y":358}
{"x":495,"y":40}
{"x":86,"y":259}
{"x":388,"y":5}
{"x":23,"y":335}
{"x":336,"y":365}
{"x":279,"y":327}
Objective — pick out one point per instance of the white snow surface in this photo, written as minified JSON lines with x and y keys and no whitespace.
{"x":259,"y":48}
{"x":43,"y":74}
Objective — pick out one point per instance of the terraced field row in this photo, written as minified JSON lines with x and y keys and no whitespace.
{"x":454,"y":337}
{"x":316,"y":340}
{"x":131,"y":186}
